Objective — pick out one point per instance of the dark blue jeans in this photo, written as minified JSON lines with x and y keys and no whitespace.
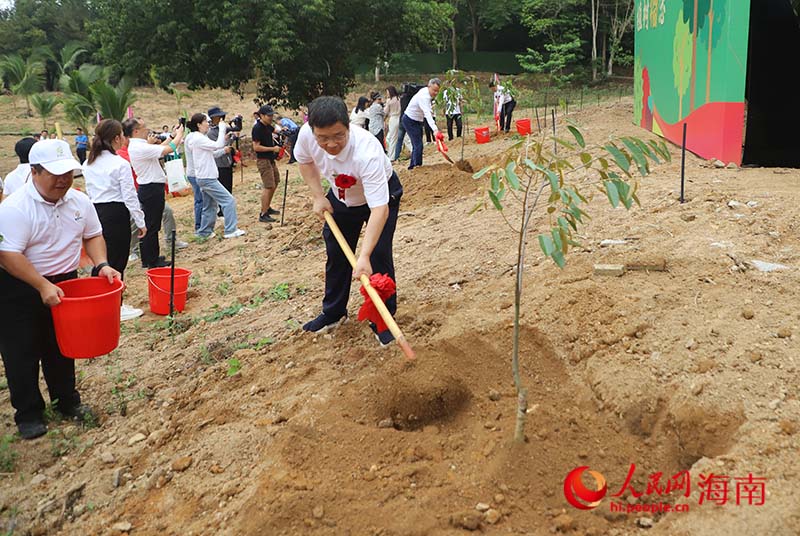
{"x":401,"y":135}
{"x":198,"y":203}
{"x":414,"y":130}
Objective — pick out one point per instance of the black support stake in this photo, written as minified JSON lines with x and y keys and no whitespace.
{"x":555,"y":144}
{"x":285,"y":189}
{"x":172,"y":275}
{"x":683,"y":165}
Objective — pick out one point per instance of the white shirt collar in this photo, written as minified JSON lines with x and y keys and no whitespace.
{"x":33,"y":192}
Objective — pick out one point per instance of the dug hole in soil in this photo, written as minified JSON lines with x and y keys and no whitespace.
{"x":237,"y":422}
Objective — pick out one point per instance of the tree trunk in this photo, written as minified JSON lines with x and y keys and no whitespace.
{"x":595,"y":8}
{"x":694,"y":59}
{"x":453,"y":41}
{"x":378,"y":70}
{"x":710,"y":40}
{"x":473,"y":16}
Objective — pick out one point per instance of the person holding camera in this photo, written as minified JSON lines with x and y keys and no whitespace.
{"x":201,"y":150}
{"x":222,"y":156}
{"x":144,"y":155}
{"x":266,"y":153}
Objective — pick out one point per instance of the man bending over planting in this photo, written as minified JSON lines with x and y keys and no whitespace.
{"x":363,"y":189}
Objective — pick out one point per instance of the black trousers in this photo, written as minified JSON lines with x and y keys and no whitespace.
{"x":338,"y":272}
{"x":27,"y":337}
{"x":116,"y":221}
{"x":505,"y":115}
{"x":151,"y":197}
{"x":456,"y":118}
{"x":81,"y":155}
{"x":379,"y":135}
{"x":226,"y":177}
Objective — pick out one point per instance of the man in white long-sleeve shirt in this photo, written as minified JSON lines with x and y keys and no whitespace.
{"x":421,"y":109}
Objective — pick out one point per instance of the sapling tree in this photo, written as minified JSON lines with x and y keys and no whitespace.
{"x":463,"y":89}
{"x":515,"y":186}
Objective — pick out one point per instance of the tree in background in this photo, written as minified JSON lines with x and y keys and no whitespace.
{"x":44,"y":106}
{"x":113,"y":101}
{"x":562,"y":23}
{"x":682,"y":60}
{"x":24,"y":77}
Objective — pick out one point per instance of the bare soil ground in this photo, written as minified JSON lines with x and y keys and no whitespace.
{"x":694,"y":368}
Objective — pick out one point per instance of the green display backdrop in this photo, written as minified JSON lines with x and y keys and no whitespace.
{"x":690,"y":67}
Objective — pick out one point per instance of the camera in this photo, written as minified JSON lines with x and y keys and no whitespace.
{"x":236,"y":124}
{"x":160,"y":135}
{"x":182,"y":121}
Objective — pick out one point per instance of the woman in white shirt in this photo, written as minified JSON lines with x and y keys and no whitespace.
{"x":200,"y":149}
{"x":358,"y":116}
{"x":109,"y":185}
{"x":392,"y":109}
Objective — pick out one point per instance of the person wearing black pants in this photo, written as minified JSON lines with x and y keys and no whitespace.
{"x":338,"y":272}
{"x":364,"y":190}
{"x":43,"y":226}
{"x":456,"y":118}
{"x":505,"y":114}
{"x":145,"y":151}
{"x":151,"y":199}
{"x":109,"y":184}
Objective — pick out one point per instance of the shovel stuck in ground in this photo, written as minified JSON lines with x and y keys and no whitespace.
{"x":442,"y":148}
{"x":373,"y":294}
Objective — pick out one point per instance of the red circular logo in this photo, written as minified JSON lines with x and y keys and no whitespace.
{"x":574,"y":489}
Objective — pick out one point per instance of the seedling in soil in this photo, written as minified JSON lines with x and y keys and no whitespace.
{"x":8,"y":456}
{"x":223,"y":288}
{"x":279,"y":292}
{"x":234,"y":366}
{"x":515,"y":186}
{"x":205,"y":355}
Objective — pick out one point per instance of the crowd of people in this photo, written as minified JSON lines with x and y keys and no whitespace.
{"x":46,"y":224}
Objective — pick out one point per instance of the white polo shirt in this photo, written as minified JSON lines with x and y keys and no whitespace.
{"x":144,"y":159}
{"x":50,"y":235}
{"x":200,"y":149}
{"x":502,"y":96}
{"x":420,"y":108}
{"x":109,"y":180}
{"x":16,"y":179}
{"x":363,"y":158}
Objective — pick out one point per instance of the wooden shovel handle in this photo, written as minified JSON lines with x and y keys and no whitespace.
{"x":373,"y":294}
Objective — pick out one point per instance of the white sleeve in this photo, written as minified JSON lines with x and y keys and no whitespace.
{"x":145,"y":151}
{"x":427,"y":111}
{"x":302,"y":149}
{"x":92,"y":227}
{"x":15,"y":230}
{"x":125,"y":177}
{"x":204,"y":143}
{"x":374,"y":180}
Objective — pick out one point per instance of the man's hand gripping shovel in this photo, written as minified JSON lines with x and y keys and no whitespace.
{"x":384,"y":313}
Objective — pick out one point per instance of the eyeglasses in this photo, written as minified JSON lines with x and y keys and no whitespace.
{"x":336,"y":138}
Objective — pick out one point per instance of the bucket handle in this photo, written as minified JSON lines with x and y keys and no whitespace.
{"x":150,"y":280}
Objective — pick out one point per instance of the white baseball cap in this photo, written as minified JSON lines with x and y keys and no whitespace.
{"x":54,"y":155}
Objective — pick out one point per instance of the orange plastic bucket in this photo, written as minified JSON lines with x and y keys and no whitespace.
{"x":158,"y":289}
{"x":482,"y":134}
{"x":523,"y":126}
{"x":87,"y":319}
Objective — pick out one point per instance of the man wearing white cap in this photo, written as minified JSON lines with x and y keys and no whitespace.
{"x":42,"y":228}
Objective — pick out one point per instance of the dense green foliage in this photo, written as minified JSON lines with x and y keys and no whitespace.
{"x":296,"y":49}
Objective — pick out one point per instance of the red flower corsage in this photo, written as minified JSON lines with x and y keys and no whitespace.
{"x":343,"y":182}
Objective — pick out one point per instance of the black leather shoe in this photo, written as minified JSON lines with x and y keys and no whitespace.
{"x":272,"y":212}
{"x":32,"y":430}
{"x":81,"y":413}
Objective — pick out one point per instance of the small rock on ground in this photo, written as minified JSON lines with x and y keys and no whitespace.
{"x":182,"y":463}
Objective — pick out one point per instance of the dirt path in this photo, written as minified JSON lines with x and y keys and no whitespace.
{"x":691,"y":369}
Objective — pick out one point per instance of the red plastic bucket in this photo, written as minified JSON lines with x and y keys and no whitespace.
{"x":158,"y":289}
{"x":482,"y":134}
{"x":523,"y":126}
{"x":87,"y":319}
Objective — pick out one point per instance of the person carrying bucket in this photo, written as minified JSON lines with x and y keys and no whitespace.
{"x":504,"y":104}
{"x":42,"y":228}
{"x":109,"y":184}
{"x":364,"y":189}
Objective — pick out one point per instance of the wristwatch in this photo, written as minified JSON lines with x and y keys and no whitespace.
{"x":96,"y":269}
